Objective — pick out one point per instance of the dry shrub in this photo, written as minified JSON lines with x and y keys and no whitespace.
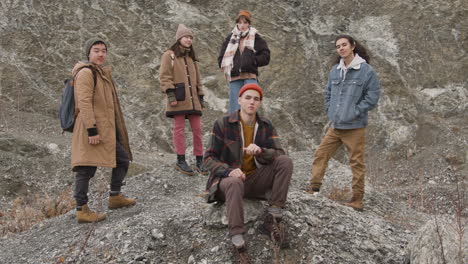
{"x":339,"y":194}
{"x":28,"y":211}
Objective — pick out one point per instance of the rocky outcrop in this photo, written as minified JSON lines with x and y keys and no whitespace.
{"x":172,"y":224}
{"x":441,"y":240}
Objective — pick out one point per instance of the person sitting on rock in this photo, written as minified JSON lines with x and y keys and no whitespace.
{"x":100,"y":137}
{"x":353,"y":89}
{"x":246,"y":160}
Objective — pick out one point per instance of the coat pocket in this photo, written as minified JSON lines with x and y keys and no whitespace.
{"x":180,"y":91}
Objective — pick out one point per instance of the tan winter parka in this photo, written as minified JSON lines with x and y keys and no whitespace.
{"x":97,"y":106}
{"x":180,"y":76}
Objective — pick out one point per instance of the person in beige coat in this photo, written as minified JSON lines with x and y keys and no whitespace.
{"x":180,"y":81}
{"x":100,"y":137}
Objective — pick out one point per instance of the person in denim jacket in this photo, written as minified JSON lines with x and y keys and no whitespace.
{"x":352,"y":90}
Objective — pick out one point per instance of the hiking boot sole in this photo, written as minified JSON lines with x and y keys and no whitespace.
{"x":117,"y":207}
{"x":201,"y":172}
{"x":184,"y":172}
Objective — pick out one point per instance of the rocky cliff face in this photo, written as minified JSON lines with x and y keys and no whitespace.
{"x":417,"y":140}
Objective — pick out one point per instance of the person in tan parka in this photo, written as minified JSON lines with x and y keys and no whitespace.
{"x":180,"y":81}
{"x":100,"y":137}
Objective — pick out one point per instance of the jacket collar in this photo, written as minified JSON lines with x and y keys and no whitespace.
{"x":104,"y":71}
{"x":235,"y":117}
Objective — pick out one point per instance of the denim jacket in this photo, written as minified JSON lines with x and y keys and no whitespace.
{"x":348,"y":99}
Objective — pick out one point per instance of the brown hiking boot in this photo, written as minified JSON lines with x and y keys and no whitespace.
{"x":275,"y":229}
{"x":86,"y":215}
{"x":241,"y":256}
{"x":356,"y":202}
{"x":119,"y":201}
{"x":312,"y":190}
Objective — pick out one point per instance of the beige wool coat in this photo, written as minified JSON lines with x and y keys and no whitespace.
{"x":181,"y":76}
{"x":97,"y":106}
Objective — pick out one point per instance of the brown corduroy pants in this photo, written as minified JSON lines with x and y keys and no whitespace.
{"x":274,"y":177}
{"x":354,"y":140}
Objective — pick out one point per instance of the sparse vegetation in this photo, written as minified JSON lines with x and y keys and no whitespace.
{"x":28,"y":211}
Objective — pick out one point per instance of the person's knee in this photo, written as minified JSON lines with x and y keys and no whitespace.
{"x":125,"y":163}
{"x":179,"y":128}
{"x":84,"y":172}
{"x":320,"y":154}
{"x":233,"y":183}
{"x":284,"y":161}
{"x":196,"y":129}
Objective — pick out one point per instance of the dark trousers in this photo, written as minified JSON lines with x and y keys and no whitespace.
{"x":85,"y":173}
{"x":273,"y":178}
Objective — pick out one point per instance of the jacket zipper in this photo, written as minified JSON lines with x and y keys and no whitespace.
{"x":240,"y":61}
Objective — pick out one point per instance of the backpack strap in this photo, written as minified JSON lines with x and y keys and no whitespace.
{"x":93,"y":70}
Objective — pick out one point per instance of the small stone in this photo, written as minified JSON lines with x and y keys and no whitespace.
{"x":191,"y":259}
{"x":157,"y":234}
{"x":215,"y":249}
{"x":53,"y":148}
{"x":141,"y":258}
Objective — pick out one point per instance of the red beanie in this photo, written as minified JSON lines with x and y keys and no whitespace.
{"x":251,"y":86}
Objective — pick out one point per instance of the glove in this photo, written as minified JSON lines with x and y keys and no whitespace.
{"x":171,"y":97}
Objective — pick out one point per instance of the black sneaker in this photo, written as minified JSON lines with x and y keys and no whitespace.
{"x":200,"y":167}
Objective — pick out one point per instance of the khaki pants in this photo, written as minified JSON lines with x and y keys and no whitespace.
{"x":354,"y":140}
{"x":274,"y":177}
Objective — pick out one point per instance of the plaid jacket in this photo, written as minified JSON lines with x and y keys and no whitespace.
{"x":225,"y":149}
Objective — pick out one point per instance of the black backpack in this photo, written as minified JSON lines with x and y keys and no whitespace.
{"x":67,"y":107}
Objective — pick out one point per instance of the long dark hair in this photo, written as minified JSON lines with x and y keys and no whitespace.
{"x":358,"y":48}
{"x":180,"y":52}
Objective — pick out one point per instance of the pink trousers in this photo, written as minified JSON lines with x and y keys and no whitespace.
{"x":178,"y":136}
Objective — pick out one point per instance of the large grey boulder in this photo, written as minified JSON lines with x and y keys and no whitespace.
{"x":442,"y":240}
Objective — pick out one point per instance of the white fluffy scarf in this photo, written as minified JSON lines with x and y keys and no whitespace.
{"x":228,"y":59}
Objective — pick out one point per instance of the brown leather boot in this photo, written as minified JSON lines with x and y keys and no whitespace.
{"x":241,"y":256}
{"x":356,"y":202}
{"x":119,"y":201}
{"x":275,"y":230}
{"x":86,"y":215}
